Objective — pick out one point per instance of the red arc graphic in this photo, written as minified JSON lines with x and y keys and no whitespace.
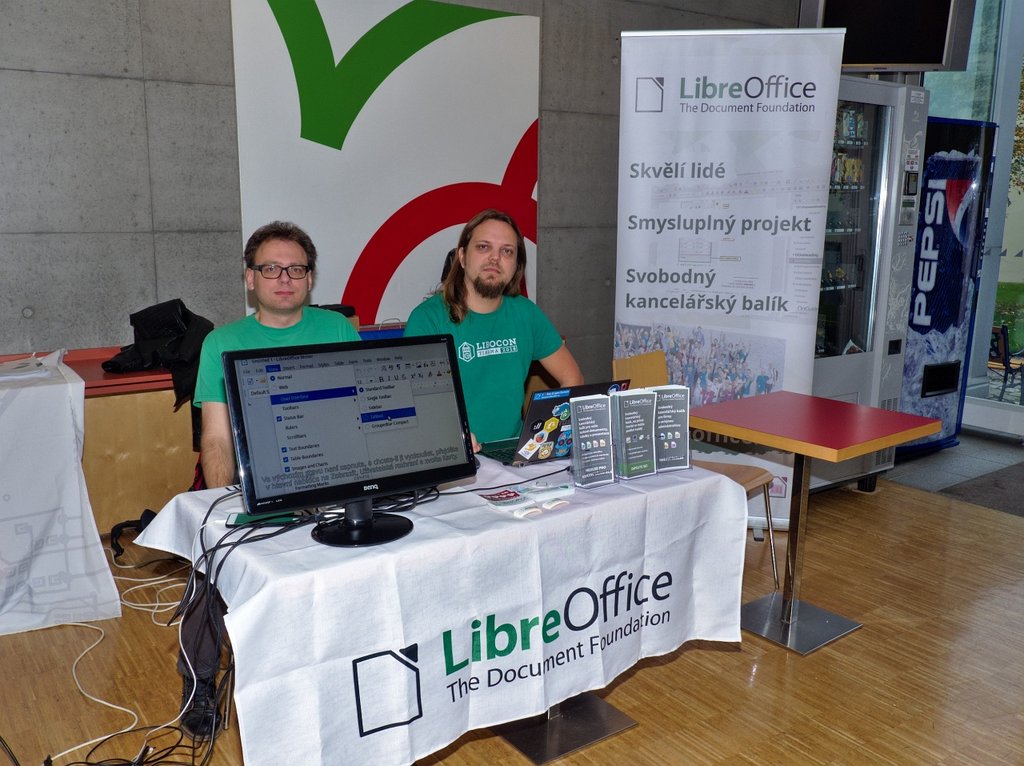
{"x":436,"y":210}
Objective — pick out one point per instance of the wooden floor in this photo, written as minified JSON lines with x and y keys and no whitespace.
{"x":935,"y":676}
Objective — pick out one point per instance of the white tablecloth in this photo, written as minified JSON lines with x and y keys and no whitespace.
{"x":386,"y":654}
{"x":52,"y":567}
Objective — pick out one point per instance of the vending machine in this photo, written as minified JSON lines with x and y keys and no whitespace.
{"x":867,"y":264}
{"x":956,"y":185}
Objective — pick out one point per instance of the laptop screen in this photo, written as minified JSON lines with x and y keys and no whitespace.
{"x":547,"y":428}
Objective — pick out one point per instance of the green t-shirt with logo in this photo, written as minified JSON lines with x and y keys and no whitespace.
{"x":495,"y":352}
{"x":316,"y":326}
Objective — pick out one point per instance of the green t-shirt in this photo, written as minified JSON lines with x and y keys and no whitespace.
{"x":316,"y":326}
{"x":495,"y":352}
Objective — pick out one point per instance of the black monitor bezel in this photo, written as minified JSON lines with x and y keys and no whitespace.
{"x":351,"y":492}
{"x":886,"y":37}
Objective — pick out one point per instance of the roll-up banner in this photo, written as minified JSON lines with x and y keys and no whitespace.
{"x":725,"y":153}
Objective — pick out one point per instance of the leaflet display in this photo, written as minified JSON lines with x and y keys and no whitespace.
{"x":592,"y":458}
{"x":633,"y":433}
{"x":672,"y":427}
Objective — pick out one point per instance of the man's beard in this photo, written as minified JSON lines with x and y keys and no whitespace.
{"x":489,"y":290}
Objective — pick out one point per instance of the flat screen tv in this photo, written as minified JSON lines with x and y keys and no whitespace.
{"x":900,"y":36}
{"x":340,"y":425}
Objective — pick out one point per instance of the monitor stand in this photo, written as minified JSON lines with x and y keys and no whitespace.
{"x":361,"y":526}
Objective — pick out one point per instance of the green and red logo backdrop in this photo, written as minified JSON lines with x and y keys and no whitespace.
{"x":381,"y":126}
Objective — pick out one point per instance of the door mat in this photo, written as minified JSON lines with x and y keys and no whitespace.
{"x":1002,"y":490}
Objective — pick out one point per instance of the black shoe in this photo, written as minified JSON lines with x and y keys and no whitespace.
{"x":199,"y":716}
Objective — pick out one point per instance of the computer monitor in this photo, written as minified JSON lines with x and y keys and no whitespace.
{"x":904,"y":36}
{"x":339,"y":425}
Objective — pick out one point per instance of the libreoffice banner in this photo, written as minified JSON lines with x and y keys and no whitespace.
{"x":381,"y":126}
{"x":725,"y":150}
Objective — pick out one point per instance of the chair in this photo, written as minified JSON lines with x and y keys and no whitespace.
{"x":753,"y":479}
{"x":448,"y":260}
{"x":1002,"y":361}
{"x":651,"y":369}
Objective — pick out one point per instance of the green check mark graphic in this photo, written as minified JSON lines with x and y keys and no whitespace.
{"x":332,"y":95}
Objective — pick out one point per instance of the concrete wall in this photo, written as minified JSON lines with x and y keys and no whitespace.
{"x":119,"y":167}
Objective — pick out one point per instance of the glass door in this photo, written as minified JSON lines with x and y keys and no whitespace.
{"x":852,"y":230}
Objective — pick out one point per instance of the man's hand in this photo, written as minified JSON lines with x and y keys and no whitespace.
{"x":216,"y":451}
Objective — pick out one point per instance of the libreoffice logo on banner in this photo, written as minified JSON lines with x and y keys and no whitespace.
{"x":387,"y":687}
{"x":650,"y":94}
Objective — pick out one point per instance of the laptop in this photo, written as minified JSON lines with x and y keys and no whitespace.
{"x":547,"y":431}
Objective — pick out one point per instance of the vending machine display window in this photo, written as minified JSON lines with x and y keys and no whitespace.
{"x":849,"y":263}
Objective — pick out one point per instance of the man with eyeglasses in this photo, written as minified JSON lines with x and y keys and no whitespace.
{"x":280,"y":259}
{"x":498,"y":332}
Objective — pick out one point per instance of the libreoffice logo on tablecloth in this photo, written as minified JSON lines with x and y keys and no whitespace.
{"x":650,"y":94}
{"x":387,"y":687}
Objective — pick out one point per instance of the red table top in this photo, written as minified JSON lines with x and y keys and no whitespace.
{"x":812,"y":425}
{"x":87,"y":362}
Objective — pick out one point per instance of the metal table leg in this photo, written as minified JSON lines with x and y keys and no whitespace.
{"x":568,"y":726}
{"x":782,"y":617}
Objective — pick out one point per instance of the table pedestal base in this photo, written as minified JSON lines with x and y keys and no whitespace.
{"x":568,"y":726}
{"x":810,"y":627}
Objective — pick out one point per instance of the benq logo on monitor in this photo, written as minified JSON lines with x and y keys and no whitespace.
{"x":368,"y":487}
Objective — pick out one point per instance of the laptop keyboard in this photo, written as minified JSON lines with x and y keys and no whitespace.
{"x":505,"y":451}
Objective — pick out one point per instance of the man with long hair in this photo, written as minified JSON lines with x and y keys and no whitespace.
{"x":498,"y":332}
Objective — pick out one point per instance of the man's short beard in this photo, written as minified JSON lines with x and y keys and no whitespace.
{"x":489,"y":290}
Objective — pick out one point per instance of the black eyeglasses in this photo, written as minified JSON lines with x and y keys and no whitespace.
{"x":273,"y":271}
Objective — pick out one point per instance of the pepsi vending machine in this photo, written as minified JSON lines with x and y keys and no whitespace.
{"x":955,"y":188}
